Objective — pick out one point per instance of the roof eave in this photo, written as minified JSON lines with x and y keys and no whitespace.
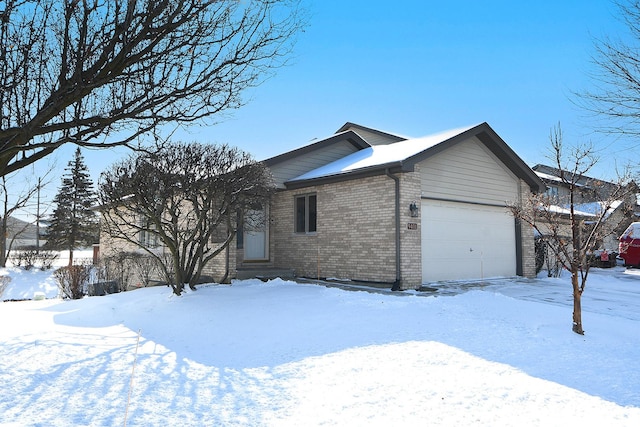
{"x":393,"y":167}
{"x":350,"y":136}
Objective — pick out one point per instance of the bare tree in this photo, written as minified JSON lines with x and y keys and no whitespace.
{"x":103,"y":73}
{"x":11,"y":204}
{"x":572,"y":235}
{"x":616,"y":77}
{"x":177,"y":200}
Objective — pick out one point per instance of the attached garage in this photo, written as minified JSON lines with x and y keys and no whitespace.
{"x":466,"y":241}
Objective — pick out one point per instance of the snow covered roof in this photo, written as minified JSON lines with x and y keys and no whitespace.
{"x":586,"y":210}
{"x":381,"y":155}
{"x":561,"y":210}
{"x":401,"y":156}
{"x":548,"y":177}
{"x":596,"y":208}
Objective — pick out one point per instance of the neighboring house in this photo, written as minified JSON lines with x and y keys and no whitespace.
{"x":367,"y":205}
{"x":372,"y":206}
{"x":21,"y":234}
{"x":590,"y":199}
{"x":590,"y":189}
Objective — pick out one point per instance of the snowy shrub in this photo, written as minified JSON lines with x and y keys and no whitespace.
{"x":46,"y":259}
{"x":553,"y":261}
{"x":146,"y":268}
{"x":73,"y":280}
{"x":32,"y":257}
{"x":541,"y":252}
{"x":128,"y":270}
{"x":26,"y":258}
{"x":115,"y":268}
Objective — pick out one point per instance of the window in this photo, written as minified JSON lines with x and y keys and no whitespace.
{"x":306,"y":213}
{"x":147,"y":236}
{"x":552,"y":191}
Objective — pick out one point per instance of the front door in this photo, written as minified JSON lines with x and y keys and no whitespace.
{"x":256,"y":241}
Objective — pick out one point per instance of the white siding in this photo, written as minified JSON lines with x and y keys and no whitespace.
{"x":468,"y":172}
{"x":304,"y":163}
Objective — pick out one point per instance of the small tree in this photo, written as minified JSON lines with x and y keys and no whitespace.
{"x":174,"y":200}
{"x":74,"y":224}
{"x":571,"y":234}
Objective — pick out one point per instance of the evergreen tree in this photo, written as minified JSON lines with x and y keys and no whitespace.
{"x":74,"y":224}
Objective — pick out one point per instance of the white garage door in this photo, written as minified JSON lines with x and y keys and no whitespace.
{"x":465,"y":241}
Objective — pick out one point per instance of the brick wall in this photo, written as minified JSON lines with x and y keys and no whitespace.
{"x":410,"y":238}
{"x":355,"y":231}
{"x":527,"y":239}
{"x":355,"y":236}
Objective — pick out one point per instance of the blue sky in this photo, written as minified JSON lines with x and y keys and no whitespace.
{"x":420,"y":67}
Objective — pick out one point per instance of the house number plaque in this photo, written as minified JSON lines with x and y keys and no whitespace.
{"x":412,"y":226}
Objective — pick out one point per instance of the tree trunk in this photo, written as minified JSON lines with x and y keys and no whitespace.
{"x":3,"y":243}
{"x":178,"y":276}
{"x":70,"y":257}
{"x":577,"y":305}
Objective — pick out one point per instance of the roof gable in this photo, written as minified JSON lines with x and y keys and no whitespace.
{"x":380,"y":156}
{"x":349,"y":136}
{"x":300,"y":161}
{"x":403,"y":155}
{"x":372,"y":136}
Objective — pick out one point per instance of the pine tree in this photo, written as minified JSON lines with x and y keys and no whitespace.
{"x":73,"y":223}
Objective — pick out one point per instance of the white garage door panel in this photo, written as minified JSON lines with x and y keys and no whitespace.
{"x":465,"y":241}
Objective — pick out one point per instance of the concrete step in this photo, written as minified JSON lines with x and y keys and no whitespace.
{"x":264,"y":273}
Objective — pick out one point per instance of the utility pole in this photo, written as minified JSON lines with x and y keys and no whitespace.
{"x":38,"y":219}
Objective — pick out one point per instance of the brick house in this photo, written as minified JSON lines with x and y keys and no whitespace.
{"x":373,"y":206}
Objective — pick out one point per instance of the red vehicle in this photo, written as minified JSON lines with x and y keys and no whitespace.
{"x":630,"y":245}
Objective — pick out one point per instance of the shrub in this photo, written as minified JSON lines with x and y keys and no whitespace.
{"x":30,"y":257}
{"x":115,"y":268}
{"x":26,"y":258}
{"x":146,"y":268}
{"x":129,"y":269}
{"x":47,"y":258}
{"x":73,"y":280}
{"x":541,"y":253}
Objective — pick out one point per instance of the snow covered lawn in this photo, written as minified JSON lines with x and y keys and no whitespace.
{"x":288,"y":354}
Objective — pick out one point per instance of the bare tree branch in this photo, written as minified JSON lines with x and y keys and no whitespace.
{"x":103,"y":73}
{"x":614,"y":99}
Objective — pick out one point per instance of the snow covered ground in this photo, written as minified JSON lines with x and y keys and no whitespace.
{"x":288,"y":354}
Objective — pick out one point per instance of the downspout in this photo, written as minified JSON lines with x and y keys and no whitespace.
{"x":396,"y":284}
